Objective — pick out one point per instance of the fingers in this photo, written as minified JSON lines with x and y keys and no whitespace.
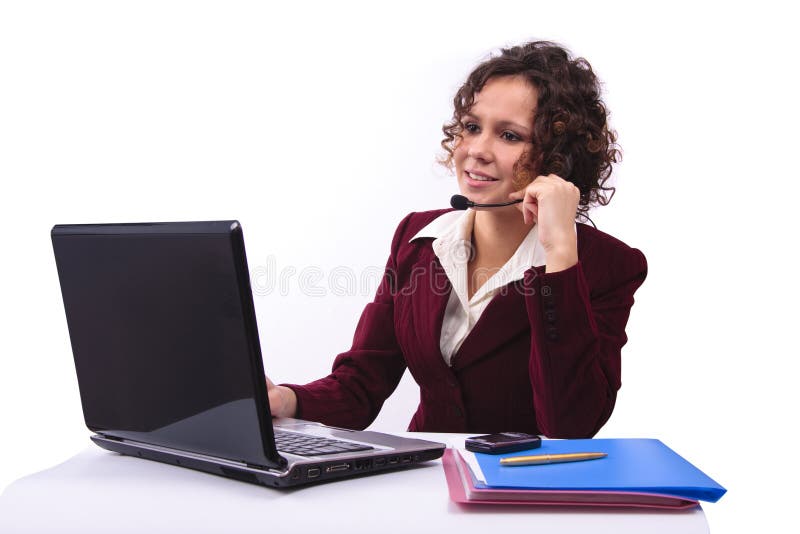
{"x":557,"y":194}
{"x":530,"y":212}
{"x":540,"y":183}
{"x":529,"y":208}
{"x":530,"y":203}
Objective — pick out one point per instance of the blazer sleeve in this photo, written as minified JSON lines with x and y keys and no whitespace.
{"x":577,"y":333}
{"x":365,"y":376}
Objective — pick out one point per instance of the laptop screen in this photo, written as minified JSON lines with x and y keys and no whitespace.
{"x":164,"y":338}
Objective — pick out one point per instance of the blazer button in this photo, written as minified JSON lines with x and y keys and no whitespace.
{"x":546,"y":291}
{"x":550,"y":315}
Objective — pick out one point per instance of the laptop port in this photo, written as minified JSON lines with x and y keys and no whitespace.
{"x":313,"y":472}
{"x":337,"y":468}
{"x":380,"y":462}
{"x":405,"y":460}
{"x":393,"y":460}
{"x":363,"y":464}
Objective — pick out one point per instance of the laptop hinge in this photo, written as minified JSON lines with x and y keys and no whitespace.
{"x":279,"y":465}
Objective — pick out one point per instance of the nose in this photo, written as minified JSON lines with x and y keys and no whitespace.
{"x":480,"y":147}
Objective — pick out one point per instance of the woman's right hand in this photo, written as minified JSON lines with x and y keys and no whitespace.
{"x":282,"y":400}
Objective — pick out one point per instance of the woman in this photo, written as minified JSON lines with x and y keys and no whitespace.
{"x":511,"y":318}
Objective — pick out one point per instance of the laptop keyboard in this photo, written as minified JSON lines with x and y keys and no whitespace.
{"x":305,"y":445}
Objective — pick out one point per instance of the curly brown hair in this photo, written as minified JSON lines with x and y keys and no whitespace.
{"x":571,"y":136}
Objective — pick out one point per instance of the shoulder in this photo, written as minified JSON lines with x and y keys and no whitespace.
{"x":603,"y":256}
{"x":413,"y":223}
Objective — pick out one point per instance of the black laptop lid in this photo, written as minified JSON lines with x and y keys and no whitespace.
{"x":164,"y":336}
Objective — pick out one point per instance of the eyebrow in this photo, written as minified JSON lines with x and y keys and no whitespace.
{"x":502,"y":124}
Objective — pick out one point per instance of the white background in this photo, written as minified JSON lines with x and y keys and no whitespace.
{"x":317,"y":126}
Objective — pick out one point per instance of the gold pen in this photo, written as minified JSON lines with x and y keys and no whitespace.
{"x":539,"y":459}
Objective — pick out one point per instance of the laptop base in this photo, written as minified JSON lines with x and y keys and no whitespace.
{"x":298,"y":473}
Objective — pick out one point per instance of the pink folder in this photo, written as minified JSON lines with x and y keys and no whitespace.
{"x":463,"y":491}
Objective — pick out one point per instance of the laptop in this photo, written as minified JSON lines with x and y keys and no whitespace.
{"x":168,"y":359}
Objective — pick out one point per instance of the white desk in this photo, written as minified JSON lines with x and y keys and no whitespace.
{"x":99,"y":491}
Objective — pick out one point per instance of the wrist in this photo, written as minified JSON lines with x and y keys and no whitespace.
{"x":288,"y":406}
{"x":561,"y":258}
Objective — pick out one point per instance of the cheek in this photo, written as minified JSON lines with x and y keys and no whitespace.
{"x":459,"y":154}
{"x":508,"y":158}
{"x":524,"y":175}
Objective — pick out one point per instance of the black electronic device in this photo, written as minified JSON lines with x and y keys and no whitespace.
{"x":460,"y":202}
{"x":502,"y":442}
{"x":165,"y":340}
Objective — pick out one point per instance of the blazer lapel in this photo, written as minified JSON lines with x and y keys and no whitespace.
{"x":428,"y":303}
{"x":503,"y":319}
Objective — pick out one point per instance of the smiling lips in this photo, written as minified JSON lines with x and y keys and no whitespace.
{"x":480,"y":177}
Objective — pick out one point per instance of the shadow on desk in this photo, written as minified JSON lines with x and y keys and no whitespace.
{"x":99,"y":491}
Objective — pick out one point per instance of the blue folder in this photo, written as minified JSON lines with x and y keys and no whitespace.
{"x":637,"y":465}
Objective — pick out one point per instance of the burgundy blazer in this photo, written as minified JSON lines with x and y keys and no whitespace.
{"x":543,"y":358}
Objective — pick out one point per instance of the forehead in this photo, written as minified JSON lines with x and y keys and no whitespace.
{"x":507,"y":97}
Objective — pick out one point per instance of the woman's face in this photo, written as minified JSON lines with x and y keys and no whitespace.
{"x":496,"y":132}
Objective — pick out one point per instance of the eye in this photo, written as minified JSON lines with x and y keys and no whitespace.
{"x":510,"y":136}
{"x":470,"y":127}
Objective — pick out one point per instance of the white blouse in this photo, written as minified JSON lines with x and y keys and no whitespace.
{"x":452,"y":233}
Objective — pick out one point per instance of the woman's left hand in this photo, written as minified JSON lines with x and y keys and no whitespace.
{"x":552,"y":202}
